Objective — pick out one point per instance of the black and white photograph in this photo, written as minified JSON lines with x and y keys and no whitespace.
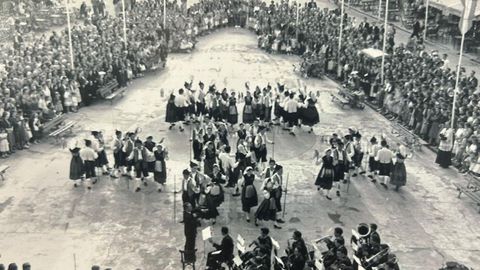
{"x":239,"y":134}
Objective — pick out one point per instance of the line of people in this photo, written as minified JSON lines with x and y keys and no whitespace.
{"x":133,"y":159}
{"x":269,"y":105}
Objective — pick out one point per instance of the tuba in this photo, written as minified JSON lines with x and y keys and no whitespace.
{"x":360,"y":236}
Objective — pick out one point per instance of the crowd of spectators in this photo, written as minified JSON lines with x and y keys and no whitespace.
{"x":13,"y":266}
{"x":418,"y":85}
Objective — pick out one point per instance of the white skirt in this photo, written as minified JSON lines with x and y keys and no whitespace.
{"x":4,"y":145}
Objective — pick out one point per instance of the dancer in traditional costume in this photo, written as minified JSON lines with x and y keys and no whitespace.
{"x":248,"y":114}
{"x":76,"y":167}
{"x":384,"y":158}
{"x":98,"y":146}
{"x":210,"y":156}
{"x":138,"y":157}
{"x":89,"y":156}
{"x":249,"y":193}
{"x":160,"y":172}
{"x":128,"y":145}
{"x":276,"y":170}
{"x":309,"y":114}
{"x":181,"y":104}
{"x":372,"y":153}
{"x":119,"y":159}
{"x":326,"y":175}
{"x":267,"y":210}
{"x":149,"y":144}
{"x":340,"y":164}
{"x":291,"y":113}
{"x":197,"y":140}
{"x":232,"y":110}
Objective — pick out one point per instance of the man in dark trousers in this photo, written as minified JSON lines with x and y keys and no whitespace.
{"x":191,"y":223}
{"x":224,"y":252}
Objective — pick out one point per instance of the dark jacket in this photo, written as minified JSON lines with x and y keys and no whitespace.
{"x":226,"y":246}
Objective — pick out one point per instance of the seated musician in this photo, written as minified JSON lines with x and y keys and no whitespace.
{"x":256,"y":259}
{"x":264,"y":243}
{"x":297,"y":242}
{"x":296,"y":260}
{"x":374,"y":240}
{"x":390,"y":264}
{"x":337,"y":234}
{"x":224,"y":253}
{"x":337,"y":252}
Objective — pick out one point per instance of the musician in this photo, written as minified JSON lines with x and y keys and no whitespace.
{"x":374,"y":240}
{"x":215,"y":259}
{"x":336,"y":253}
{"x":297,"y":242}
{"x":390,"y":264}
{"x":330,"y":241}
{"x":264,"y":242}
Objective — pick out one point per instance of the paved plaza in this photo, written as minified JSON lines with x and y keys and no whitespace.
{"x":47,"y":222}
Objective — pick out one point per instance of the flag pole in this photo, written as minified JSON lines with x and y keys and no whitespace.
{"x":426,"y":21}
{"x":384,"y":41}
{"x":341,"y":32}
{"x":298,"y":18}
{"x":164,"y":14}
{"x":69,"y":35}
{"x":457,"y":79}
{"x":124,"y":24}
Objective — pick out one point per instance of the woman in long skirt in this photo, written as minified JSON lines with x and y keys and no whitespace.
{"x":170,"y":113}
{"x":210,"y":156}
{"x":267,"y":210}
{"x":249,"y":193}
{"x":399,"y":172}
{"x":76,"y":166}
{"x":160,"y":171}
{"x":232,"y":111}
{"x":248,"y":114}
{"x":326,"y":174}
{"x":309,"y":115}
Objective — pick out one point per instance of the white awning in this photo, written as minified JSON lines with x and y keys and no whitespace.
{"x":373,"y":53}
{"x":454,"y":7}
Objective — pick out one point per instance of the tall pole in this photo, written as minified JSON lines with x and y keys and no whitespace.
{"x":298,"y":18}
{"x":69,"y":35}
{"x":384,"y":40}
{"x":164,"y":14}
{"x":124,"y":24}
{"x":341,"y":32}
{"x":426,"y":21}
{"x":457,"y":79}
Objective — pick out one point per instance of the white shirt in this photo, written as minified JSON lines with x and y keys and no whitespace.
{"x":291,"y":106}
{"x":384,"y":156}
{"x":227,"y":161}
{"x":88,"y":154}
{"x":180,"y":101}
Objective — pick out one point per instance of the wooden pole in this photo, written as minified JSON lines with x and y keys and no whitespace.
{"x":285,"y":198}
{"x":74,"y":261}
{"x":341,"y":33}
{"x":457,"y":79}
{"x":124,"y":24}
{"x":70,"y":47}
{"x":174,"y":198}
{"x":164,"y":14}
{"x":384,"y":41}
{"x":426,"y":21}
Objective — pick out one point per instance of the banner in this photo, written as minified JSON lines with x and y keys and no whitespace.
{"x":469,"y":7}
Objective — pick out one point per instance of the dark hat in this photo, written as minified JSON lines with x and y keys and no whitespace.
{"x":118,"y":132}
{"x":75,"y":150}
{"x":138,"y":142}
{"x":201,"y":83}
{"x":186,"y":85}
{"x":94,"y":133}
{"x":272,"y":161}
{"x":149,"y":137}
{"x":186,"y":172}
{"x":373,"y":139}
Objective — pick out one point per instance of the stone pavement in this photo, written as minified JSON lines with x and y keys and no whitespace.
{"x":45,"y":221}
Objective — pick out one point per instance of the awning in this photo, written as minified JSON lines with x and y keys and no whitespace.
{"x":454,"y":7}
{"x":373,"y":53}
